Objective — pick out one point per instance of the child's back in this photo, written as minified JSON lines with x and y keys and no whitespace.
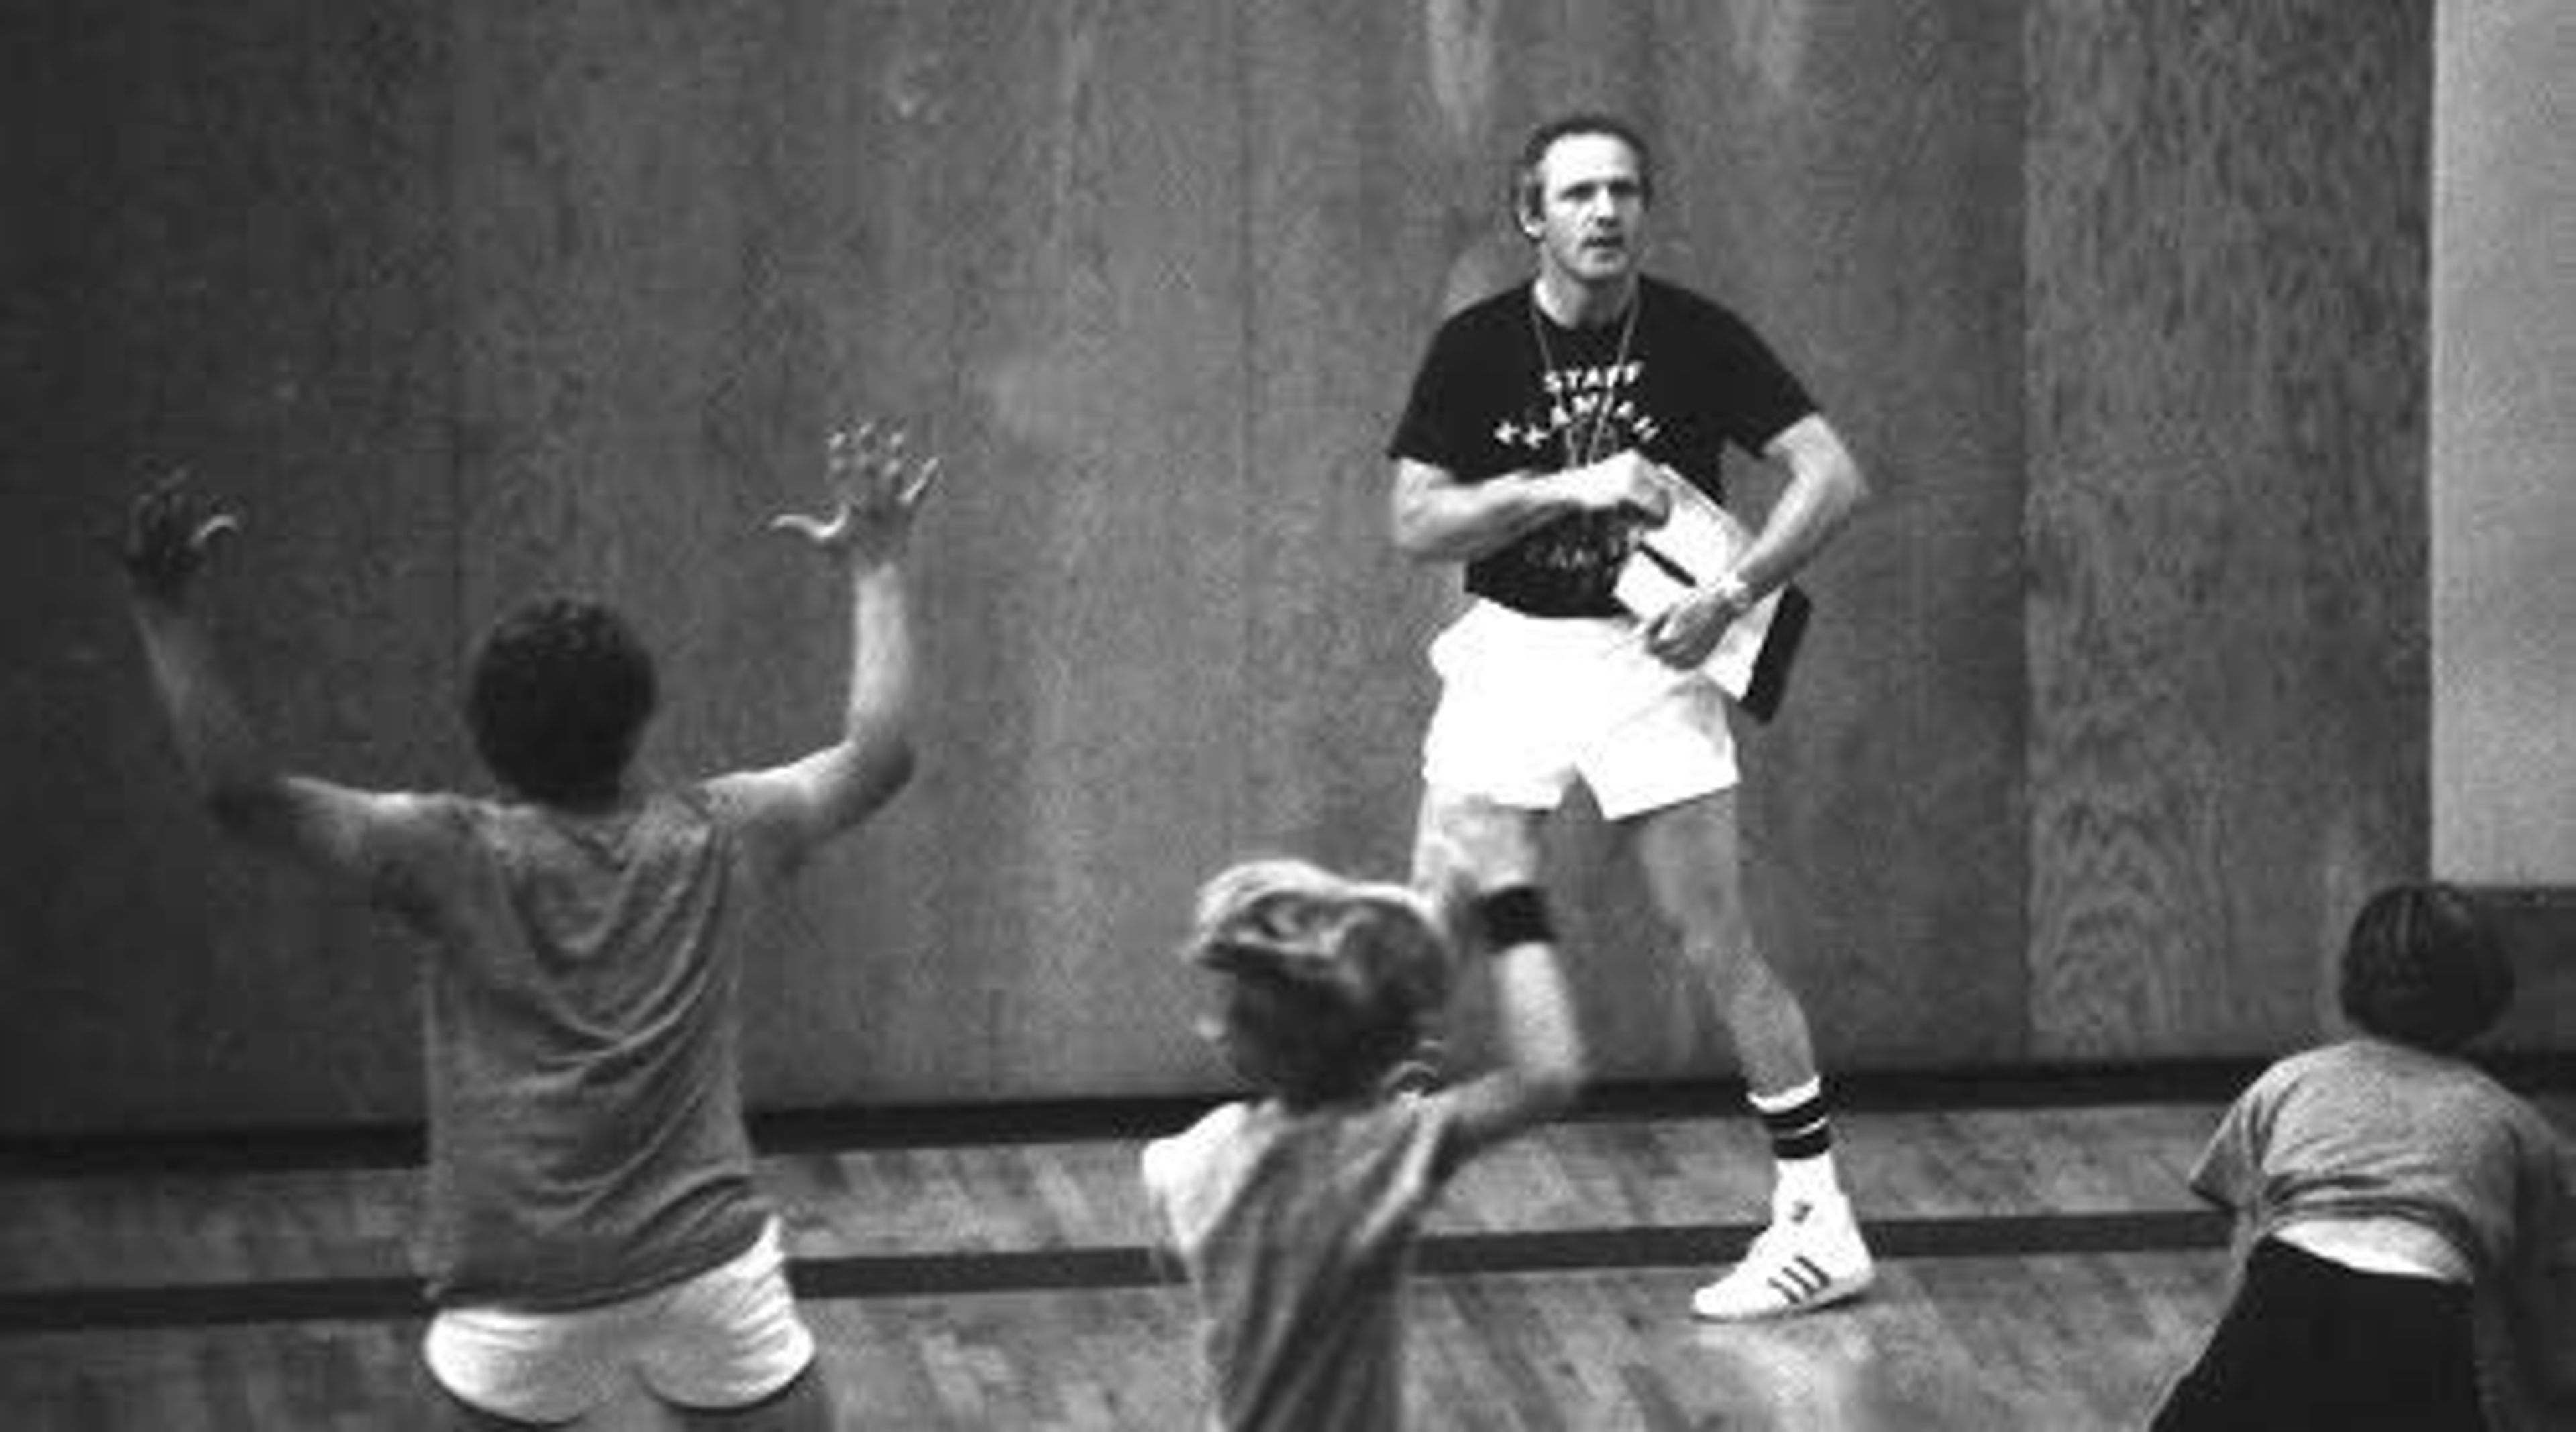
{"x":580,"y":1040}
{"x":1295,"y":1228}
{"x":2402,"y":1221}
{"x":2374,"y":1128}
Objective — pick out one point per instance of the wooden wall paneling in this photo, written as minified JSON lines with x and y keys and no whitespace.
{"x":1360,"y":186}
{"x":1040,"y":254}
{"x":2227,"y":251}
{"x":905,"y":138}
{"x":240,"y":228}
{"x":1124,"y":404}
{"x":954,"y":146}
{"x":2502,"y":519}
{"x":1847,"y":180}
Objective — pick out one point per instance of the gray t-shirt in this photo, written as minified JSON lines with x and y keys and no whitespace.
{"x":2369,"y":1128}
{"x":586,"y":1138}
{"x":1295,"y":1228}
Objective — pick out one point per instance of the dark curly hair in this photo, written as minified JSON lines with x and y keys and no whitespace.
{"x":557,"y":699}
{"x":2423,"y":967}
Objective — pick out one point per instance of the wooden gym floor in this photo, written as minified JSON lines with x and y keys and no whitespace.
{"x":2042,"y":1267}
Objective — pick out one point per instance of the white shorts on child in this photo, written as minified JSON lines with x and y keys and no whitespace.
{"x":726,"y":1338}
{"x":1530,"y":704}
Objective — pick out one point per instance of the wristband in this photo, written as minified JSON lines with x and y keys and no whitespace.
{"x":1514,"y":915}
{"x":1730,"y":589}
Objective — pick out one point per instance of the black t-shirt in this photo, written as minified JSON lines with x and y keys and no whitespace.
{"x":1691,"y":378}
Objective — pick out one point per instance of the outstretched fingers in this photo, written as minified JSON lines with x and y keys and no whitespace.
{"x":170,"y":534}
{"x":916,"y":485}
{"x":875,"y":488}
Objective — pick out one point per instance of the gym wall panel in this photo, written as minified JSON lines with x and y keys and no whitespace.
{"x":227,"y":251}
{"x":1110,"y":384}
{"x":2503,"y":513}
{"x":467,"y":303}
{"x":1846,"y":177}
{"x":2226,"y":626}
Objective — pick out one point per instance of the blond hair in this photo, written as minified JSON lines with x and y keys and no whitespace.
{"x":1340,"y":973}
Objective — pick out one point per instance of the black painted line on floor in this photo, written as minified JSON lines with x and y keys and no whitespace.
{"x":1129,"y":1266}
{"x":207,"y":1305}
{"x":795,"y":1131}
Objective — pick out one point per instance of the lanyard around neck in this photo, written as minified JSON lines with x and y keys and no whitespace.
{"x":1593,"y":428}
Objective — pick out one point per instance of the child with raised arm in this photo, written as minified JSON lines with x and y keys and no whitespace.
{"x":2390,"y":1202}
{"x":590,"y":1212}
{"x":1294,"y":1212}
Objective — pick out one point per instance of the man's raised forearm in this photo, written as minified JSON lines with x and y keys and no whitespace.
{"x":1438,"y":519}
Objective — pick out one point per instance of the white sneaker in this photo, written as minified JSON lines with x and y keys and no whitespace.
{"x":1811,"y":1256}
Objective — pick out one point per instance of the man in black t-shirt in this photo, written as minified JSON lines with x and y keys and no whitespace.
{"x":1544,"y":430}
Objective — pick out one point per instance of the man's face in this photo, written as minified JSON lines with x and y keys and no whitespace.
{"x":1591,"y":217}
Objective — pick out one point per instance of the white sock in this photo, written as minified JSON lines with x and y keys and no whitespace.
{"x":1808,"y":1178}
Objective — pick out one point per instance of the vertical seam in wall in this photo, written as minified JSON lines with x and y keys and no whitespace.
{"x":1246,"y":797}
{"x":2025,"y":796}
{"x":451,"y":78}
{"x":2032,"y":20}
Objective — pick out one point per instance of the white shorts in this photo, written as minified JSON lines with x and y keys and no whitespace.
{"x":728,"y":1337}
{"x":1530,"y":704}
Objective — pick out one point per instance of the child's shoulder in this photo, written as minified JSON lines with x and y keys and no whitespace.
{"x":1225,"y":1121}
{"x":2382,"y":1072}
{"x":1172,"y":1157}
{"x":2358,"y":1056}
{"x":1245,"y":1129}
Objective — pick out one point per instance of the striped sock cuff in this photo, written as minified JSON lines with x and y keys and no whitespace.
{"x":1800,"y":1126}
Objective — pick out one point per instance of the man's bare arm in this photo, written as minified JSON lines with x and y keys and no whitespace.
{"x":1825,"y":488}
{"x":1437,"y":518}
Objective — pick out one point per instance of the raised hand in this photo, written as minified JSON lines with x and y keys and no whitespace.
{"x":876,"y":490}
{"x":170,"y":533}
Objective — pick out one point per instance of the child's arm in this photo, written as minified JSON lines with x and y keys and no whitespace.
{"x":1543,"y":1066}
{"x":813,"y":799}
{"x":170,"y":535}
